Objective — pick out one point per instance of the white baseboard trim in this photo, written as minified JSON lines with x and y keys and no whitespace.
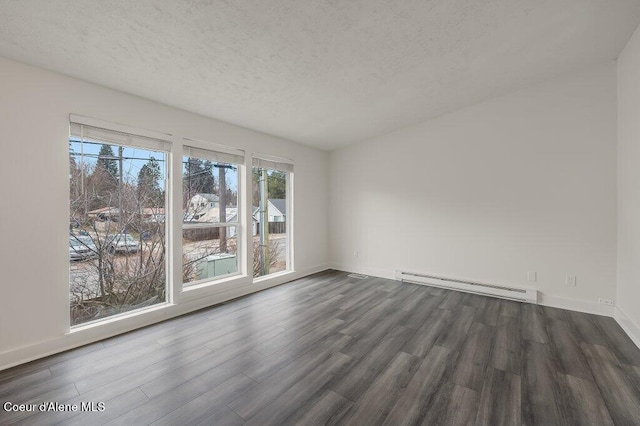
{"x":543,"y":299}
{"x":631,"y":328}
{"x":157,"y":314}
{"x":576,"y":305}
{"x":73,"y":340}
{"x":375,"y":272}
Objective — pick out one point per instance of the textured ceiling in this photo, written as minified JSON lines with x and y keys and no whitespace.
{"x":320,"y":72}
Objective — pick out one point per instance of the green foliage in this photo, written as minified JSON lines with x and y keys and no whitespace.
{"x":277,"y":184}
{"x":207,"y":182}
{"x":108,"y":163}
{"x":149,"y":191}
{"x":255,"y":178}
{"x":101,"y":187}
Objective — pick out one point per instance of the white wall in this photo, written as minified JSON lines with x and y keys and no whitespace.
{"x":34,"y":127}
{"x":628,"y":313}
{"x":524,"y":182}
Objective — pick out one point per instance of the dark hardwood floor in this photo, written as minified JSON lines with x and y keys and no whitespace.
{"x":329,"y":349}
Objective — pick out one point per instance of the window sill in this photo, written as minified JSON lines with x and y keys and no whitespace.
{"x":209,"y":288}
{"x":260,"y":280}
{"x":118,"y":318}
{"x":196,"y":285}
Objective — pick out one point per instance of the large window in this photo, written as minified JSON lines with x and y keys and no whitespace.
{"x":146,"y":225}
{"x":117,"y":226}
{"x":210,"y":215}
{"x":271,"y":216}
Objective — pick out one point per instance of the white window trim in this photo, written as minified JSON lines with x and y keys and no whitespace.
{"x":200,"y":225}
{"x":175,"y":199}
{"x":290,"y":217}
{"x":210,"y":146}
{"x":271,"y":162}
{"x":208,"y":151}
{"x":286,"y":167}
{"x":167,"y":148}
{"x":179,"y":294}
{"x":116,"y":127}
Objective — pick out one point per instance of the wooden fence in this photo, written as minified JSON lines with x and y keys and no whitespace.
{"x":275,"y":228}
{"x":200,"y":234}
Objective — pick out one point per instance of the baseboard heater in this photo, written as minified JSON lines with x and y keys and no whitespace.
{"x":511,"y":293}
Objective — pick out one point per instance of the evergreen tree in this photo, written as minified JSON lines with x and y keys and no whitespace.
{"x":75,"y":187}
{"x":198,"y":177}
{"x":103,"y":182}
{"x":108,"y":163}
{"x":207,"y":182}
{"x":192,"y":170}
{"x":149,"y":191}
{"x":277,"y":184}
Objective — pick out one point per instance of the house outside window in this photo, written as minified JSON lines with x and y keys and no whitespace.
{"x":123,"y":214}
{"x":210,"y":243}
{"x":272,"y":181}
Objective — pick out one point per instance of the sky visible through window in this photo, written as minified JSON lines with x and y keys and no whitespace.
{"x":135,"y":159}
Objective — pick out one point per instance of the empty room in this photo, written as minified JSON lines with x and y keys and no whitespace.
{"x":365,"y":212}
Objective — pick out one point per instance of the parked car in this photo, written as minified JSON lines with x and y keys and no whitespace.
{"x":121,"y":243}
{"x":81,"y":247}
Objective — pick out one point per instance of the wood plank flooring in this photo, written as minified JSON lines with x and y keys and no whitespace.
{"x":330,"y":349}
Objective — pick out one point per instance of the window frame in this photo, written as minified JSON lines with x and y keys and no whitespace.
{"x":285,"y":165}
{"x":209,"y":152}
{"x":137,"y":139}
{"x":180,"y":299}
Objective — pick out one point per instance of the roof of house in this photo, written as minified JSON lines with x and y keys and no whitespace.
{"x":208,"y":197}
{"x":212,"y":215}
{"x":279,"y":204}
{"x":114,"y":210}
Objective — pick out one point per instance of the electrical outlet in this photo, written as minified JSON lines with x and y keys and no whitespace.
{"x":571,"y":280}
{"x":608,"y":302}
{"x":532,"y":276}
{"x":355,"y":253}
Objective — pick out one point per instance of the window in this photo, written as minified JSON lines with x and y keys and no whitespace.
{"x":210,"y":214}
{"x":271,"y":216}
{"x":117,"y":225}
{"x":123,"y":185}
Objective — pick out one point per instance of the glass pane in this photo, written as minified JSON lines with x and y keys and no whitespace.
{"x":270,"y":241}
{"x":210,"y":191}
{"x":117,"y":233}
{"x":209,"y":253}
{"x":210,"y":196}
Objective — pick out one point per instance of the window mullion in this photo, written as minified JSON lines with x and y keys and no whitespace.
{"x":175,"y":223}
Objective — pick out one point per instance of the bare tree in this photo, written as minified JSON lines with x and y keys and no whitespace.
{"x":275,"y":252}
{"x":115,"y":278}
